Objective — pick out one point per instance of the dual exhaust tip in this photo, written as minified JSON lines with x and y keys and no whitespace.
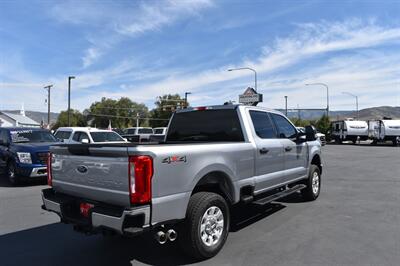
{"x":162,"y":237}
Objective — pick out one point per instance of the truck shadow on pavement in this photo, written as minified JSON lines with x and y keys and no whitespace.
{"x":58,"y":244}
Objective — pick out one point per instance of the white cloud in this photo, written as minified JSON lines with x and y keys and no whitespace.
{"x":129,"y":21}
{"x":349,"y":56}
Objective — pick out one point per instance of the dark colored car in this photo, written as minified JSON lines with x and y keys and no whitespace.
{"x":23,"y":153}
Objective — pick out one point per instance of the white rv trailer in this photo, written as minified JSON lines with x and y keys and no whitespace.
{"x":352,"y":130}
{"x":384,"y":130}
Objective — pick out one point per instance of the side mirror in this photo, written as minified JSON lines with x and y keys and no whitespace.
{"x":85,"y":141}
{"x":310,"y":133}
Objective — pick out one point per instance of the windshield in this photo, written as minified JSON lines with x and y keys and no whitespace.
{"x":105,"y":137}
{"x":145,"y":131}
{"x":31,"y":136}
{"x":63,"y":134}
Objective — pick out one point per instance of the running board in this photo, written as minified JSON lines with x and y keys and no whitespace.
{"x":279,"y":195}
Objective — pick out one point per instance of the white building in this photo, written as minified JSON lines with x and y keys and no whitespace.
{"x":15,"y":120}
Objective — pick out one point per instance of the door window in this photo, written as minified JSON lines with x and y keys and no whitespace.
{"x":263,"y":125}
{"x":285,"y":128}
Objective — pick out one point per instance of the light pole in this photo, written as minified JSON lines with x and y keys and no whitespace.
{"x":355,"y":96}
{"x":186,"y":102}
{"x":69,"y":99}
{"x":48,"y":88}
{"x":248,"y":68}
{"x":286,"y":105}
{"x":327,"y":94}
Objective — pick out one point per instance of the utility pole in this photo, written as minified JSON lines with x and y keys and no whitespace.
{"x":286,"y":105}
{"x":69,"y":99}
{"x":186,"y":102}
{"x":48,"y":88}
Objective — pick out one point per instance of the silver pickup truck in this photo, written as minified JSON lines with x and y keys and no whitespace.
{"x":184,"y":187}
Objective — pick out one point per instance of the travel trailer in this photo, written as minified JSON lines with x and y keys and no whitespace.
{"x":384,"y":130}
{"x":349,"y":130}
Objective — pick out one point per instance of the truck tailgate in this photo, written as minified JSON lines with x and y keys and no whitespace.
{"x":92,"y":173}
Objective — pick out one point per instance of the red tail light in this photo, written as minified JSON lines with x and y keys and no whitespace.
{"x":140,"y":174}
{"x":49,"y":177}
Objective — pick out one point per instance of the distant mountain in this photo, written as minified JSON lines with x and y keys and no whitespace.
{"x":37,"y":116}
{"x":377,"y":113}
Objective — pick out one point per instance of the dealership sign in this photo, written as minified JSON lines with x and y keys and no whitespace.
{"x":250,"y":97}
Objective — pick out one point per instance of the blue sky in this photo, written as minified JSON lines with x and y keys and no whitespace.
{"x":143,"y":49}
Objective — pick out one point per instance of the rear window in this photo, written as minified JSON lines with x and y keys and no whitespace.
{"x":105,"y":136}
{"x":158,"y":131}
{"x":63,"y":134}
{"x":205,"y":126}
{"x":145,"y":131}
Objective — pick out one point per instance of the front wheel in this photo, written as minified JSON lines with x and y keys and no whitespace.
{"x":11,"y":174}
{"x":313,"y":183}
{"x":206,"y":227}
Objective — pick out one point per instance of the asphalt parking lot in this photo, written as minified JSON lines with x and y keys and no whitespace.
{"x":356,"y":221}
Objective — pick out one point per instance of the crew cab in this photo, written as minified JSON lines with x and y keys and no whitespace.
{"x":23,"y":153}
{"x":184,"y":187}
{"x":87,"y":135}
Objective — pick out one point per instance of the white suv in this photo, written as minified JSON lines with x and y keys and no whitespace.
{"x":87,"y":135}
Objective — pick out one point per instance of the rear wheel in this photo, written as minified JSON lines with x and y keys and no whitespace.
{"x":11,"y":174}
{"x":313,"y":183}
{"x":206,"y":227}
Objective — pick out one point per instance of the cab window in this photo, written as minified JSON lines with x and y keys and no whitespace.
{"x":263,"y":125}
{"x":285,"y":128}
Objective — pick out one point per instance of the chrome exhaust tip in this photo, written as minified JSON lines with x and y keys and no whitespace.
{"x":172,"y":235}
{"x":161,"y":237}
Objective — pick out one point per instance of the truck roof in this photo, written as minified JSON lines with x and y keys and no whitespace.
{"x":93,"y":129}
{"x":227,"y":107}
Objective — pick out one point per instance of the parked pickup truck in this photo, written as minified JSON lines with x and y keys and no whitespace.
{"x":23,"y":152}
{"x":184,"y":188}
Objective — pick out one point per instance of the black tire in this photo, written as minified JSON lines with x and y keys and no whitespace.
{"x":190,"y":237}
{"x":309,"y":193}
{"x":11,"y":174}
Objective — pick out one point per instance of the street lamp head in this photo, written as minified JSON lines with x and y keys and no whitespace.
{"x":71,"y":77}
{"x":230,"y":69}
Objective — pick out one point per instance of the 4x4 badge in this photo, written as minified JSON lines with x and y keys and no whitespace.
{"x":174,"y":159}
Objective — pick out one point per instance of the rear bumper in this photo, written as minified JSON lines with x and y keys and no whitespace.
{"x":123,"y":221}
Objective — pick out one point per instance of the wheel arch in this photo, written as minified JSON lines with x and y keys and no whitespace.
{"x":218,"y":182}
{"x":316,"y":160}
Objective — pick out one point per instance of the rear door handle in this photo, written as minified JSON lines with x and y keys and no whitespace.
{"x":264,"y":150}
{"x":288,"y":148}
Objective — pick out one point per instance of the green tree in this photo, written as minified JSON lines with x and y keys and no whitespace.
{"x":164,"y":107}
{"x":122,"y":113}
{"x":300,"y":122}
{"x":323,"y":124}
{"x":77,"y":119}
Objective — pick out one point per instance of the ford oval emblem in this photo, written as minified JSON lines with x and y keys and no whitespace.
{"x":82,"y":169}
